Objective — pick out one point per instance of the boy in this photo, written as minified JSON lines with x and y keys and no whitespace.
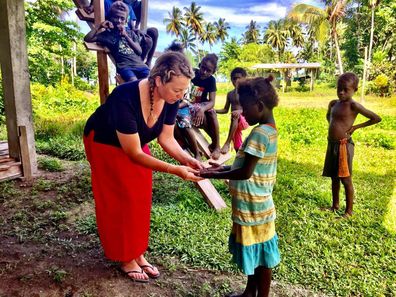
{"x":238,"y":122}
{"x":122,"y":43}
{"x":341,"y":115}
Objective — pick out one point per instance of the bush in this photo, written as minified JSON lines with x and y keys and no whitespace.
{"x":50,"y":164}
{"x":381,"y":86}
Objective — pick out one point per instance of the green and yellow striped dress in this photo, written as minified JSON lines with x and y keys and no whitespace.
{"x":253,"y":241}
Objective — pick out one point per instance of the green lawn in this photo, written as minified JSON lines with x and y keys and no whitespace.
{"x":355,"y":257}
{"x":320,"y":251}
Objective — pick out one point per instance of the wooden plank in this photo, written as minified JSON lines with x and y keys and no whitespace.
{"x":10,"y":171}
{"x":84,"y":16}
{"x":203,"y":145}
{"x":209,"y":192}
{"x":103,"y":71}
{"x":93,"y":46}
{"x":25,"y":156}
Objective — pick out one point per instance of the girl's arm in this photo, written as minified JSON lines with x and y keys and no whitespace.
{"x":244,"y":172}
{"x":92,"y":35}
{"x":373,"y":117}
{"x":199,"y":115}
{"x":168,"y":142}
{"x":130,"y":143}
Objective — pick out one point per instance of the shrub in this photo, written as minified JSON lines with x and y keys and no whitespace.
{"x":381,"y":86}
{"x":50,"y":164}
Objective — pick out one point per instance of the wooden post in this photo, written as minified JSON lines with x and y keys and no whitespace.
{"x":364,"y":75}
{"x":16,"y":83}
{"x":144,"y":15}
{"x":312,"y":80}
{"x":103,"y":71}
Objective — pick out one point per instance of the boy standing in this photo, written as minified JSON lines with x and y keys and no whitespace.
{"x":238,"y":122}
{"x":341,"y":115}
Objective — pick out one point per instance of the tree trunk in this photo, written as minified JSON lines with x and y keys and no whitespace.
{"x":371,"y":34}
{"x":340,"y":68}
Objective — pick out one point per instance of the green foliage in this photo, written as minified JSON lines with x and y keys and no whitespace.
{"x":50,"y":164}
{"x":50,"y":39}
{"x":380,"y":85}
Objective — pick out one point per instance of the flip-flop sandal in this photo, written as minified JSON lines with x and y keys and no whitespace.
{"x":138,"y":280}
{"x":150,"y":275}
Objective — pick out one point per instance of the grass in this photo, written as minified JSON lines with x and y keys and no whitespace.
{"x":355,"y":257}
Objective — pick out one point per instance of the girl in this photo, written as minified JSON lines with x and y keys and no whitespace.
{"x":253,"y":241}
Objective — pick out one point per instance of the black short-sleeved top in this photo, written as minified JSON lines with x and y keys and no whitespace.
{"x":122,"y":112}
{"x":124,"y":55}
{"x":202,"y":87}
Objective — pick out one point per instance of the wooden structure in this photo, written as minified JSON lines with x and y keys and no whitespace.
{"x":18,"y":154}
{"x":210,"y":194}
{"x":283,"y":67}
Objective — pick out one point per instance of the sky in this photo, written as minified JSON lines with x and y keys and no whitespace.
{"x":237,"y":13}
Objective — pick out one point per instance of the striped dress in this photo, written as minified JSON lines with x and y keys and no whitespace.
{"x":253,"y":241}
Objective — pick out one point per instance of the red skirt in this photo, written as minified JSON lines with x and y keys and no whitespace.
{"x":122,"y":191}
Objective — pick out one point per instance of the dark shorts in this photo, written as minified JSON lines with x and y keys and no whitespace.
{"x":332,"y":156}
{"x":128,"y":73}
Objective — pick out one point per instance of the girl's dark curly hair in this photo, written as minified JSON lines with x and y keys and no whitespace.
{"x":258,"y":89}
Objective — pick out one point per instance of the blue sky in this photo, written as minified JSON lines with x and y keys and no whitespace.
{"x":237,"y":14}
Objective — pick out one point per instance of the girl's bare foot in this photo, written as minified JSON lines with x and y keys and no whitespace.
{"x":225,"y":149}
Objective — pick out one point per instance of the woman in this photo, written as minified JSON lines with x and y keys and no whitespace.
{"x":115,"y":139}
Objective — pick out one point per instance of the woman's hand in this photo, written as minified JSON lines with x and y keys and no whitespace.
{"x":194,"y":163}
{"x":187,"y":173}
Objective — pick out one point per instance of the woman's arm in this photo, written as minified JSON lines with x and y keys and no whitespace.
{"x":130,"y":143}
{"x":168,"y":142}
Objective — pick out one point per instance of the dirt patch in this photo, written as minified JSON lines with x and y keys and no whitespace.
{"x":44,"y":250}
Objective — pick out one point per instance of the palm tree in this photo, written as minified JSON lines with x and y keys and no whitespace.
{"x":373,"y":4}
{"x":252,"y":35}
{"x":174,"y":22}
{"x":209,"y":34}
{"x":221,"y":29}
{"x":295,"y":33}
{"x":188,"y":40}
{"x":322,"y":20}
{"x":194,"y":18}
{"x":276,"y":35}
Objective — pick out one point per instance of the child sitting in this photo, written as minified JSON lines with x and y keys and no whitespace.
{"x":201,"y":109}
{"x":238,"y":122}
{"x":253,"y":242}
{"x":122,"y":43}
{"x":341,"y":116}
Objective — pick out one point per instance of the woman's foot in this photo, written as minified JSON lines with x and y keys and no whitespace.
{"x":150,"y":270}
{"x":134,"y":271}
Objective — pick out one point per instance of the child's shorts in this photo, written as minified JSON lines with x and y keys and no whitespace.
{"x":331,"y":165}
{"x":254,"y":246}
{"x":128,"y":73}
{"x":183,"y":117}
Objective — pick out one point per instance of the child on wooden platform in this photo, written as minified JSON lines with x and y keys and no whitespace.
{"x":253,"y":242}
{"x":201,"y":111}
{"x":238,"y":122}
{"x":341,"y":115}
{"x":122,"y":43}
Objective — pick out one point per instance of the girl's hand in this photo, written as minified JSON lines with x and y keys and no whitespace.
{"x":198,"y":117}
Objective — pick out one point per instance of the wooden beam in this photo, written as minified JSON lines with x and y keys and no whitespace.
{"x":210,"y":194}
{"x":101,"y":56}
{"x":312,"y":80}
{"x":16,"y":83}
{"x":144,"y":15}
